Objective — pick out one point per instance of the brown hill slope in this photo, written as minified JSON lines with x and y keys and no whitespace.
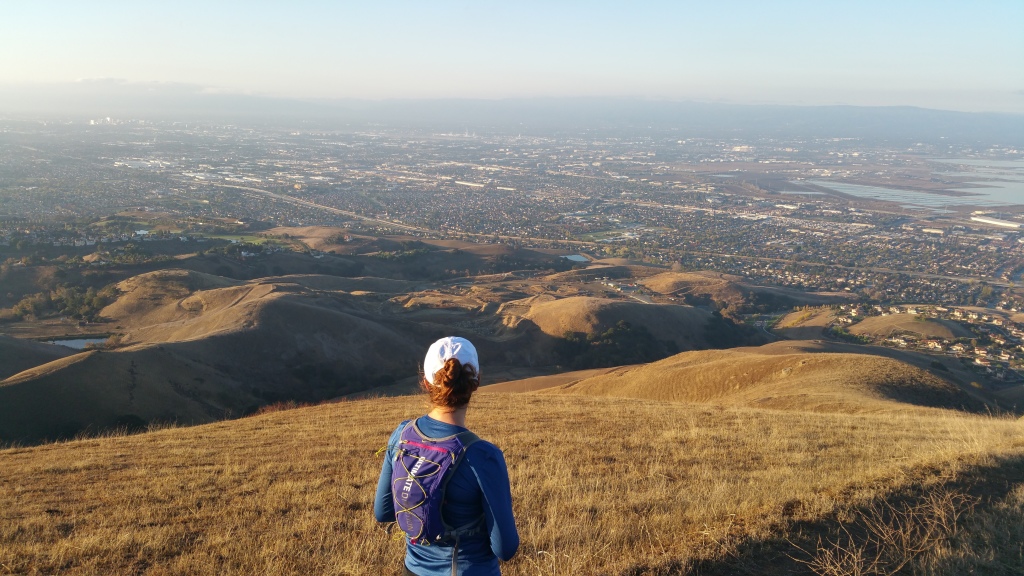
{"x":273,"y":346}
{"x":197,"y":356}
{"x":682,"y":325}
{"x":17,"y":354}
{"x":535,"y":383}
{"x":99,"y":390}
{"x":674,"y":488}
{"x":274,"y":327}
{"x":884,"y":326}
{"x":342,"y":284}
{"x":143,"y":298}
{"x":771,"y":378}
{"x":804,"y":324}
{"x":733,"y":290}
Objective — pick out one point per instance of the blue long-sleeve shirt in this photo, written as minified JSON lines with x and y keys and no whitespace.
{"x":478,"y":488}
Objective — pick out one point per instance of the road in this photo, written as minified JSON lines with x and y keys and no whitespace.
{"x":308,"y":204}
{"x":641,"y":298}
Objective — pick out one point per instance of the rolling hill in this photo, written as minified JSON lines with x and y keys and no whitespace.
{"x":885,"y":326}
{"x":782,"y":377}
{"x":193,"y":347}
{"x":198,"y":347}
{"x":804,"y":324}
{"x":682,"y":325}
{"x":94,"y":391}
{"x":17,"y":355}
{"x":734,"y":291}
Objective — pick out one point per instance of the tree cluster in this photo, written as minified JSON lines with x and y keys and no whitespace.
{"x":617,"y":346}
{"x":66,"y":301}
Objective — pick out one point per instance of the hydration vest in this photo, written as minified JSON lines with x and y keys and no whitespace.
{"x":420,"y":473}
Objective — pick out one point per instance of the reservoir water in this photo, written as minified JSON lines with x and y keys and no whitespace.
{"x":77,"y":343}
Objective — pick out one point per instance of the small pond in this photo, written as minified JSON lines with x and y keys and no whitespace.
{"x":77,"y":343}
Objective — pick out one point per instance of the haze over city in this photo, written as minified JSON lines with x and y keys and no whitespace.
{"x":945,"y":55}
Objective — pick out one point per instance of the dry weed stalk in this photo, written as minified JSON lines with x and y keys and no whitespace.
{"x":886,"y":536}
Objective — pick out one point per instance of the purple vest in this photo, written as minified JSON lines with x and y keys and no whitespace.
{"x":419,"y":475}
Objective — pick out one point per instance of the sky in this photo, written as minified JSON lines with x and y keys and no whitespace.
{"x":936,"y":54}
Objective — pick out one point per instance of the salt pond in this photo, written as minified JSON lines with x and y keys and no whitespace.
{"x":999,"y":183}
{"x":1003,"y":180}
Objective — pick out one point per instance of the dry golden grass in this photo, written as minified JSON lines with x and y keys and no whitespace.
{"x":600,"y":486}
{"x":804,"y":324}
{"x":315,"y":237}
{"x":583,"y":314}
{"x":697,"y":282}
{"x":767,"y":377}
{"x":731,"y":288}
{"x":152,"y":297}
{"x":884,"y":326}
{"x":813,"y":318}
{"x":535,"y":383}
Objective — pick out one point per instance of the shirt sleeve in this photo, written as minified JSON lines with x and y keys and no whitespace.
{"x":383,"y":504}
{"x":492,"y":474}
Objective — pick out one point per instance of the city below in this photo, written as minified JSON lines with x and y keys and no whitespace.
{"x":929,"y":228}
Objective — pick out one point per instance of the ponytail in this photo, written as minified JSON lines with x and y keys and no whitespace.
{"x":453,"y":384}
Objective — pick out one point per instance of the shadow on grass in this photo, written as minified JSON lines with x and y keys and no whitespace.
{"x":970,"y":524}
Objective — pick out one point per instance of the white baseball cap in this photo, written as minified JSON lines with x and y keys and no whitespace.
{"x":449,"y":347}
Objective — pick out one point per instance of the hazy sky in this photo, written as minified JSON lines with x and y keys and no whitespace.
{"x":966,"y":55}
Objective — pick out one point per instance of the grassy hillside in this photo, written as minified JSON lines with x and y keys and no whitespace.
{"x":813,"y":382}
{"x":17,"y":355}
{"x":683,"y":325}
{"x":92,"y":391}
{"x":535,"y":383}
{"x":600,"y":486}
{"x":804,"y":324}
{"x":194,"y":347}
{"x":885,"y":326}
{"x":734,"y":291}
{"x":770,"y":378}
{"x":224,"y":347}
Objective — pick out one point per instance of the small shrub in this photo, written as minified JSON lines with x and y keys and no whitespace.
{"x":281,"y":407}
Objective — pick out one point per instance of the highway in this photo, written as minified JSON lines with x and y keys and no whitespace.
{"x":308,"y":204}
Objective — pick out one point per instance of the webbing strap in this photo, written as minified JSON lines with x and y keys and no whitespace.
{"x":415,"y":479}
{"x":467,"y":438}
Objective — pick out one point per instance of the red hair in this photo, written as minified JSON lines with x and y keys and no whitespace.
{"x":453,"y":384}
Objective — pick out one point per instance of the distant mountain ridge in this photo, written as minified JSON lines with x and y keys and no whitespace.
{"x":97,"y":99}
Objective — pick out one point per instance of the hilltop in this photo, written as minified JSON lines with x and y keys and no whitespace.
{"x":682,"y":326}
{"x":675,"y":488}
{"x":895,"y":324}
{"x":734,"y":291}
{"x":784,"y":376}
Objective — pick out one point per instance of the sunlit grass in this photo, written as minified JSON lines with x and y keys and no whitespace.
{"x":599,"y":485}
